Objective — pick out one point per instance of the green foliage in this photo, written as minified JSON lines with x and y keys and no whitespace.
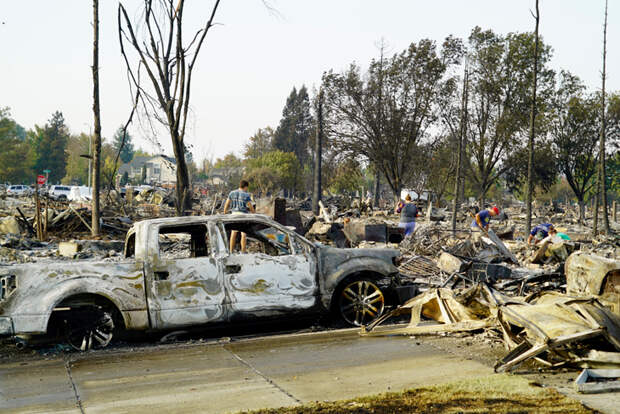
{"x":16,"y":155}
{"x":613,"y":176}
{"x":348,"y":177}
{"x":440,"y":168}
{"x":545,"y":169}
{"x":274,"y":170}
{"x":260,"y":143}
{"x":124,"y":179}
{"x":574,"y":133}
{"x":229,"y":160}
{"x":383,"y":114}
{"x":77,"y":166}
{"x":500,"y":76}
{"x":50,"y":143}
{"x":230,"y":167}
{"x":126,"y":147}
{"x":142,"y":153}
{"x":296,"y":127}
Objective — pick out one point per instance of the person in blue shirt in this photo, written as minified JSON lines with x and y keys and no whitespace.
{"x":482,"y":219}
{"x":239,"y":202}
{"x":540,"y":231}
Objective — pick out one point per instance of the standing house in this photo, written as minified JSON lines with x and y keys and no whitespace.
{"x":158,"y":170}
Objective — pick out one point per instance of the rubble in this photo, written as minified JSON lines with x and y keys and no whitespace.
{"x":563,"y":328}
{"x":68,"y":249}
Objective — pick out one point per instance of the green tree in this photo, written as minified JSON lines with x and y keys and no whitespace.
{"x":613,"y":143}
{"x":124,"y":179}
{"x":77,"y":166}
{"x":229,"y":160}
{"x":259,"y":144}
{"x":50,"y":144}
{"x":348,"y":177}
{"x":574,"y":133}
{"x":384,"y":114}
{"x":124,"y":145}
{"x":296,"y":128}
{"x":545,"y":169}
{"x":283,"y":165}
{"x":230,"y":168}
{"x":142,"y":153}
{"x":16,"y":156}
{"x":500,"y":76}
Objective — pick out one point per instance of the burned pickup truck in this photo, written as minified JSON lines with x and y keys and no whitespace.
{"x":178,"y":273}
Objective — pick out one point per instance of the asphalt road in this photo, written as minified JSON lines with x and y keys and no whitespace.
{"x":229,"y":376}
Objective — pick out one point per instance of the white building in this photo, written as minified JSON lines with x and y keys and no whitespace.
{"x":158,"y":170}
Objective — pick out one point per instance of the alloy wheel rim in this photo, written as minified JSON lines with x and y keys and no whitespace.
{"x":361,"y":302}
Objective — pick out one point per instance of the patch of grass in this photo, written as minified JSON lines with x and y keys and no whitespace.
{"x":492,"y":394}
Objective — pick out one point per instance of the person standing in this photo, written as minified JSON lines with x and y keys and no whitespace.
{"x":408,"y":212}
{"x":239,"y":202}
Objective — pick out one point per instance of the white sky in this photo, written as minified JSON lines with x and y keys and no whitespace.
{"x":250,"y":62}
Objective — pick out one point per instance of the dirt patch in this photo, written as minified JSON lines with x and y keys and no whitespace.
{"x":493,"y":394}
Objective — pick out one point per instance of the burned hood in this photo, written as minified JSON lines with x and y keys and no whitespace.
{"x":334,"y":260}
{"x":334,"y":252}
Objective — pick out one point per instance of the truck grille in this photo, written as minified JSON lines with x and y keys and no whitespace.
{"x":8,"y":284}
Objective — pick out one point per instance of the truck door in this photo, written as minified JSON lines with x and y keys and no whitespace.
{"x":275,"y":274}
{"x":184,"y":281}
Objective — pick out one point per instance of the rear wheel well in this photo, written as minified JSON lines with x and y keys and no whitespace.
{"x":88,"y":300}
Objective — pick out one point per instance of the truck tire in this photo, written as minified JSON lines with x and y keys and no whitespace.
{"x":88,"y":328}
{"x":360,"y":301}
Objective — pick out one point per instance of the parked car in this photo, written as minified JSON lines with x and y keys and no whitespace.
{"x":178,"y":272}
{"x":59,"y":192}
{"x":19,"y":190}
{"x":80,"y":193}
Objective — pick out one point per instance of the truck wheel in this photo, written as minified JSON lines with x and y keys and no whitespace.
{"x":88,"y":328}
{"x":360,"y":302}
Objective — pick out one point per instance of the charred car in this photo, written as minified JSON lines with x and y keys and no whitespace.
{"x":178,"y":272}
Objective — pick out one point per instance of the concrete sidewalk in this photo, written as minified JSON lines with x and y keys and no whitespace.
{"x":217,"y":378}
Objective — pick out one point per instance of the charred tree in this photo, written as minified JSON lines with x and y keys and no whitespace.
{"x":97,"y":116}
{"x":459,"y":156}
{"x":169,"y":63}
{"x":530,"y":145}
{"x":601,"y":188}
{"x":318,"y":149}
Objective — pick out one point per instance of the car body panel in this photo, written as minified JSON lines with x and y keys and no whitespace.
{"x":41,"y":287}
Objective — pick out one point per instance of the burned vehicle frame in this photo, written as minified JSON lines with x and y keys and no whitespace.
{"x":178,"y":272}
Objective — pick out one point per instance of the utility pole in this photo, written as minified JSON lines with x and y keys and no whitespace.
{"x":318,"y":149}
{"x":96,"y":112}
{"x":530,"y":146}
{"x":461,"y":137}
{"x":601,"y":190}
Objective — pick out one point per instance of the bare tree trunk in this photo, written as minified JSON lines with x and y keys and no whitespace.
{"x":97,"y":116}
{"x":183,"y":190}
{"x":602,"y":167}
{"x":530,"y":149}
{"x":377,"y":187}
{"x":596,"y":205}
{"x":582,"y":211}
{"x":318,"y":149}
{"x":463,"y":132}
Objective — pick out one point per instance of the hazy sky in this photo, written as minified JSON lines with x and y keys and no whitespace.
{"x":251,"y":61}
